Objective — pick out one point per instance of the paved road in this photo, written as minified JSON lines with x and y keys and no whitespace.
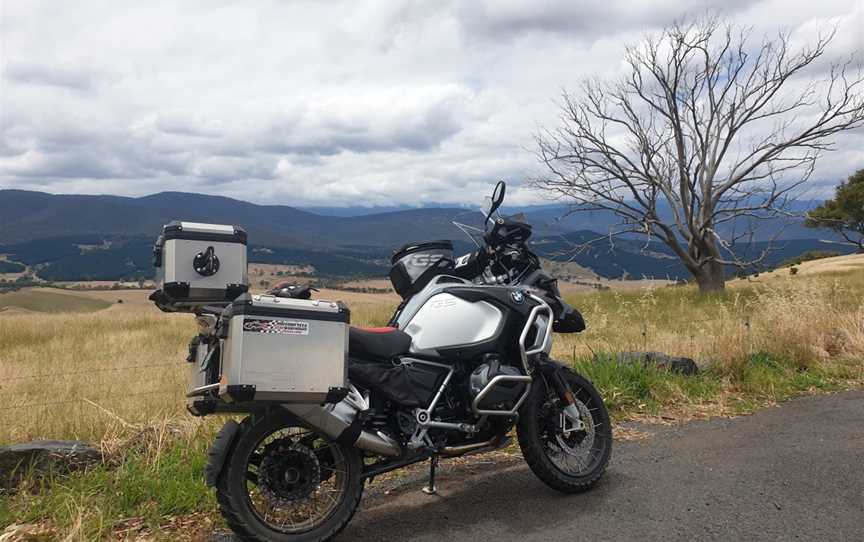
{"x":791,"y":472}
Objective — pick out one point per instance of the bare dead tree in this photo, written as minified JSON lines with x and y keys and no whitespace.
{"x":703,"y":132}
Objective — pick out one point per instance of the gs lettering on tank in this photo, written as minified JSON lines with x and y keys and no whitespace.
{"x":424,"y":259}
{"x":442,"y":303}
{"x":445,"y":320}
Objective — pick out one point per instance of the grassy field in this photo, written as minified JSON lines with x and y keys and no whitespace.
{"x":116,"y":377}
{"x":48,"y":301}
{"x":91,"y":375}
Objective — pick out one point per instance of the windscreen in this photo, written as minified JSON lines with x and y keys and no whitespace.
{"x":486,"y":206}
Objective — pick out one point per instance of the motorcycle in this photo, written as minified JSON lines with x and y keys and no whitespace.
{"x":463,"y":361}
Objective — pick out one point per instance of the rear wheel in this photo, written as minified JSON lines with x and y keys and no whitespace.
{"x":285,"y":483}
{"x":566,"y":455}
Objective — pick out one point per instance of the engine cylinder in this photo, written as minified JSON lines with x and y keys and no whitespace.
{"x":505,"y":394}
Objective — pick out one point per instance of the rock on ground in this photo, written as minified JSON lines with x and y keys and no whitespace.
{"x":42,"y":457}
{"x":658,"y":359}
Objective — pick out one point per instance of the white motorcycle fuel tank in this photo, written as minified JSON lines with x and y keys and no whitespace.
{"x":443,"y":320}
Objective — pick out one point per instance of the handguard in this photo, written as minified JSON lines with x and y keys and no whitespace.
{"x":568,"y":319}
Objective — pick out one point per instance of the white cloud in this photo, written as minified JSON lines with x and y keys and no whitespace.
{"x":322,"y":103}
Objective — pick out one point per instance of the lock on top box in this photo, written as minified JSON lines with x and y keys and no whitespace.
{"x":197,"y":264}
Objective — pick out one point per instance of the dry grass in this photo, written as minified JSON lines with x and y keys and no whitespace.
{"x":805,"y":320}
{"x":378,"y":284}
{"x":117,"y":377}
{"x":125,"y":362}
{"x":264,"y":275}
{"x":838,"y":264}
{"x":47,"y":300}
{"x":91,"y":375}
{"x":86,"y":375}
{"x":136,"y":298}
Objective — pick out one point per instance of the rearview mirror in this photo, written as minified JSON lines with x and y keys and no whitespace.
{"x":497,"y":198}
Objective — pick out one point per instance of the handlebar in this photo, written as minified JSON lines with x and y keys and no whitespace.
{"x":506,"y":259}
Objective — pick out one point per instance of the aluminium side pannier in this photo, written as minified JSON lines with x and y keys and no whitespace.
{"x":283,"y":349}
{"x":415,"y":264}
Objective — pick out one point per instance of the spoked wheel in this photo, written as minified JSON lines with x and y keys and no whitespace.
{"x":286,"y":483}
{"x":568,"y":455}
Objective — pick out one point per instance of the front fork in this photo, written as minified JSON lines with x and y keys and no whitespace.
{"x":553,"y":373}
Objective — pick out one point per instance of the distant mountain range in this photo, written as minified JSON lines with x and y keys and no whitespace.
{"x":116,"y":234}
{"x":28,"y":216}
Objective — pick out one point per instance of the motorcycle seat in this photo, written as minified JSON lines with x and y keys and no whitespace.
{"x":377,"y":342}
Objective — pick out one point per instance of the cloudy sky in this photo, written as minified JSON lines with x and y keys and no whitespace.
{"x":326,"y":103}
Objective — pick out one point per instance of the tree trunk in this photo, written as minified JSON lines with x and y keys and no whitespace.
{"x":710,"y":277}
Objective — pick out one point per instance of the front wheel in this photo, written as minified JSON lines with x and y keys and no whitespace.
{"x":567,"y":455}
{"x":284,"y":483}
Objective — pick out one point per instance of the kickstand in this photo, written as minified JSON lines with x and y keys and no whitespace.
{"x":431,"y":489}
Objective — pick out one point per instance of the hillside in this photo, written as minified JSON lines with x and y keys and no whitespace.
{"x":634,"y":258}
{"x":83,"y":237}
{"x":824,"y":266}
{"x":28,"y":216}
{"x":48,"y":301}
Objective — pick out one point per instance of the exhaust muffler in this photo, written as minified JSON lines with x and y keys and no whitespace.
{"x":338,"y":422}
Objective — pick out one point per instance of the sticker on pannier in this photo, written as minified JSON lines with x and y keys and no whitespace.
{"x":278,"y":327}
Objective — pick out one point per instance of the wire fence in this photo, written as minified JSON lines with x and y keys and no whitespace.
{"x":89,"y":372}
{"x":46,"y":396}
{"x":92,"y":399}
{"x":690,"y":338}
{"x":646,"y":329}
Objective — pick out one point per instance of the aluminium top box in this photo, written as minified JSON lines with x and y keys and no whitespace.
{"x":200,"y":263}
{"x":283,"y":349}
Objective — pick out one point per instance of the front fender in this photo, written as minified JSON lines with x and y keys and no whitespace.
{"x":219,"y":451}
